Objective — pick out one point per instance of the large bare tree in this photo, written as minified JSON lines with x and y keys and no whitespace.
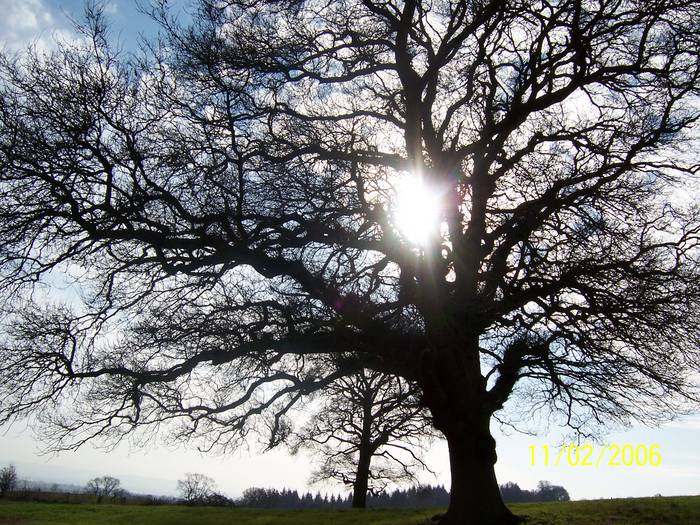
{"x":367,"y":431}
{"x":227,"y":203}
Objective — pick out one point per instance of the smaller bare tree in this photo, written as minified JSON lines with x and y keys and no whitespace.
{"x":368,"y":432}
{"x":8,"y":479}
{"x":196,"y":488}
{"x":103,"y":487}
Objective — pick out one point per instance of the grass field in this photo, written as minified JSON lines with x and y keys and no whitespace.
{"x":646,"y":511}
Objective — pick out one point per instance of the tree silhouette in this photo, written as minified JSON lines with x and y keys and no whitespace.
{"x":227,"y":203}
{"x":103,"y":487}
{"x":8,"y":479}
{"x":196,"y":488}
{"x":366,"y":433}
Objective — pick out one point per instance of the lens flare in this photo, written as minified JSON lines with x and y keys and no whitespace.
{"x":417,"y":210}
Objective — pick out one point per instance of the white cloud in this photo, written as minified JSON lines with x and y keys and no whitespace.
{"x":21,"y":17}
{"x":30,"y":21}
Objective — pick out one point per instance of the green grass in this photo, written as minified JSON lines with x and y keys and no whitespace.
{"x":644,"y":511}
{"x":683,"y":510}
{"x":87,"y":514}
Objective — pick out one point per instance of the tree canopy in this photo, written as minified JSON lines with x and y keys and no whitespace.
{"x":104,"y":487}
{"x":228,"y":201}
{"x":196,"y":488}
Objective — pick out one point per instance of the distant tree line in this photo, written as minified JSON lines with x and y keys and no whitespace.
{"x":199,"y":489}
{"x":421,"y":496}
{"x":545,"y":491}
{"x":412,"y":497}
{"x":97,"y":490}
{"x":59,"y":493}
{"x":264,"y":498}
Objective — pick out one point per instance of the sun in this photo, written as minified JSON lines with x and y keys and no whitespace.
{"x":416,"y":213}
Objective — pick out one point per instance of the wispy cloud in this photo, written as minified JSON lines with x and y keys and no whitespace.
{"x":26,"y":22}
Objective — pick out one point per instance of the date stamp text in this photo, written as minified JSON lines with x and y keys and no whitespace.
{"x":613,"y":455}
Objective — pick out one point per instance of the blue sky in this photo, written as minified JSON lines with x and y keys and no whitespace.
{"x":157,"y":468}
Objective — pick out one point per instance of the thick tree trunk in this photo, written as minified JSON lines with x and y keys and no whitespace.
{"x":455,"y":392}
{"x":475,"y":498}
{"x":359,"y":488}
